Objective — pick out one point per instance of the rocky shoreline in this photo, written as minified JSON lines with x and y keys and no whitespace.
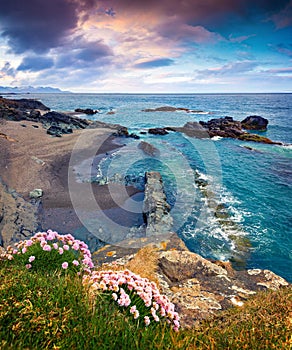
{"x":36,"y":145}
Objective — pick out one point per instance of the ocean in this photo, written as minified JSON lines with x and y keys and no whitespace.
{"x":231,"y":200}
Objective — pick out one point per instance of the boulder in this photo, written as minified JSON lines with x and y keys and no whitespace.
{"x":158,"y":131}
{"x":87,"y":111}
{"x":36,"y":193}
{"x":255,"y":122}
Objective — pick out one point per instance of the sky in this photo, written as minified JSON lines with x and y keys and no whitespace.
{"x":150,"y":46}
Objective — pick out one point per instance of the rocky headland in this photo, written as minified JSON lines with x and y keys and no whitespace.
{"x":35,"y":150}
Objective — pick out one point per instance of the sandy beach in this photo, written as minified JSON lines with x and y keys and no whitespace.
{"x":31,"y":159}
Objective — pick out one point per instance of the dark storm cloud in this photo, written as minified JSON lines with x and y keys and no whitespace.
{"x":160,"y":62}
{"x":81,"y":53}
{"x":94,"y":51}
{"x":35,"y":63}
{"x":39,"y":25}
{"x":197,"y":9}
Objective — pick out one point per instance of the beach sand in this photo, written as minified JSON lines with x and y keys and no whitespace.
{"x":30,"y":159}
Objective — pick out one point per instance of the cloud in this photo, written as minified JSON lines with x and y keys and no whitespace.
{"x":35,"y":63}
{"x":7,"y":71}
{"x":159,"y":62}
{"x":39,"y":26}
{"x":283,"y":18}
{"x":230,"y":69}
{"x":283,"y":70}
{"x":284,"y":49}
{"x":185,"y":32}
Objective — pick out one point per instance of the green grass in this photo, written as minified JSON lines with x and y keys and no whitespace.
{"x":53,"y":311}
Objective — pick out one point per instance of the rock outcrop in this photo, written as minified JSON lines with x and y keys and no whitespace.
{"x":155,"y":207}
{"x":200,"y":287}
{"x":223,"y":127}
{"x":255,"y":122}
{"x":171,"y":109}
{"x":87,"y":111}
{"x":17,"y":110}
{"x":18,"y":218}
{"x":158,"y":131}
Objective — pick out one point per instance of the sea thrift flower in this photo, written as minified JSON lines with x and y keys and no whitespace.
{"x":147,"y":320}
{"x":129,"y":287}
{"x":55,"y":246}
{"x":28,"y":266}
{"x":29,"y":243}
{"x":75,"y":262}
{"x":66,"y":247}
{"x":61,"y":251}
{"x":47,"y":248}
{"x":23,"y":250}
{"x":65,"y":265}
{"x":31,"y":258}
{"x":75,"y":246}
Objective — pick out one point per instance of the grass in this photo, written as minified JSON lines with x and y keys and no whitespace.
{"x":53,"y":311}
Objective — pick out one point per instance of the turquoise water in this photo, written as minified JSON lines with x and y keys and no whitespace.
{"x":253,"y":186}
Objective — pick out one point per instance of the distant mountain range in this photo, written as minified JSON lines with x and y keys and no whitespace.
{"x":30,"y":90}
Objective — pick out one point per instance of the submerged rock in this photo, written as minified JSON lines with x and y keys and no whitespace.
{"x":149,"y":149}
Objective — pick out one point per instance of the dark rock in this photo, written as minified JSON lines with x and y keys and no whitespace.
{"x":155,"y":207}
{"x":160,"y":109}
{"x":171,"y":109}
{"x":88,"y":111}
{"x":55,"y":131}
{"x":255,"y":122}
{"x":149,"y":149}
{"x":122,"y":131}
{"x":158,"y":131}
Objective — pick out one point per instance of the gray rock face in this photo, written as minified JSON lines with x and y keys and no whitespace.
{"x":18,"y":218}
{"x":255,"y":122}
{"x":155,"y":207}
{"x":199,"y":287}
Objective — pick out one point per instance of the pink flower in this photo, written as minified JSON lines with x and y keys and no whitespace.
{"x":66,"y":247}
{"x":115,"y":296}
{"x":31,"y":258}
{"x":75,"y":262}
{"x":61,"y":251}
{"x":47,"y":248}
{"x":75,"y":246}
{"x":133,"y":309}
{"x":29,"y":243}
{"x":23,"y":250}
{"x":65,"y":265}
{"x":147,"y":320}
{"x":55,"y":245}
{"x":28,"y":266}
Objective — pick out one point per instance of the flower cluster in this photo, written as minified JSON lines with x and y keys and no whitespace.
{"x":140,"y":296}
{"x":50,"y":250}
